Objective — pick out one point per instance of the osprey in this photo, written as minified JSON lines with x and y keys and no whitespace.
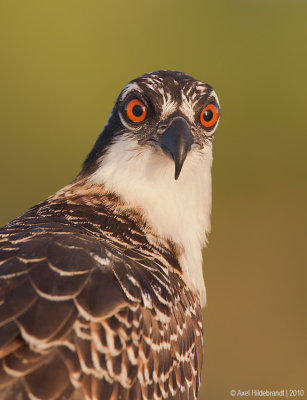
{"x":101,"y":284}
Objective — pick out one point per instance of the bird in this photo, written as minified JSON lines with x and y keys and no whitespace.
{"x":101,"y":284}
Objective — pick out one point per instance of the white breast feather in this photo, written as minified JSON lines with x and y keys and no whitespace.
{"x":175,"y":209}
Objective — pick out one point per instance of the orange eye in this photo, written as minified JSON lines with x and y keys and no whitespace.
{"x":209,"y":115}
{"x":135,"y":110}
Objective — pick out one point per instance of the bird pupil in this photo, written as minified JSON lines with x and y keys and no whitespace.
{"x":137,"y":111}
{"x":208,"y":115}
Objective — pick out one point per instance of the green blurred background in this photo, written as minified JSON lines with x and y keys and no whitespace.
{"x":62,"y":66}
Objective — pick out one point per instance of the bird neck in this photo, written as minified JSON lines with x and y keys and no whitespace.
{"x":174,"y":210}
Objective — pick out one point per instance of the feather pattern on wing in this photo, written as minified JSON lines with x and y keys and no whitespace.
{"x":87,"y":318}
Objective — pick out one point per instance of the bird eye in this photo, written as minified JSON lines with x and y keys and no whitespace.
{"x":135,"y":110}
{"x":209,"y":115}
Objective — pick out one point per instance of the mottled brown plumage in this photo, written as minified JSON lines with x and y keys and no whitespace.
{"x":86,"y":310}
{"x":94,"y":303}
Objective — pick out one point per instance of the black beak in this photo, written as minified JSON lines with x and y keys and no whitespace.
{"x":176,"y":141}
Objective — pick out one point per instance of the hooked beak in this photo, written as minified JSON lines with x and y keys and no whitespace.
{"x":176,"y":142}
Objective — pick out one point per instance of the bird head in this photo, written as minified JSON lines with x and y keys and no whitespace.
{"x":165,"y":112}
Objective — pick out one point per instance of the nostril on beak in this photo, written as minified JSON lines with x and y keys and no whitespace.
{"x":161,"y":129}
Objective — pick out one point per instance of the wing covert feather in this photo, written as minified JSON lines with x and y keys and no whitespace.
{"x":99,"y":320}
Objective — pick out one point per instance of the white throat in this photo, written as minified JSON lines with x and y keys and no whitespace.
{"x":178,"y":210}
